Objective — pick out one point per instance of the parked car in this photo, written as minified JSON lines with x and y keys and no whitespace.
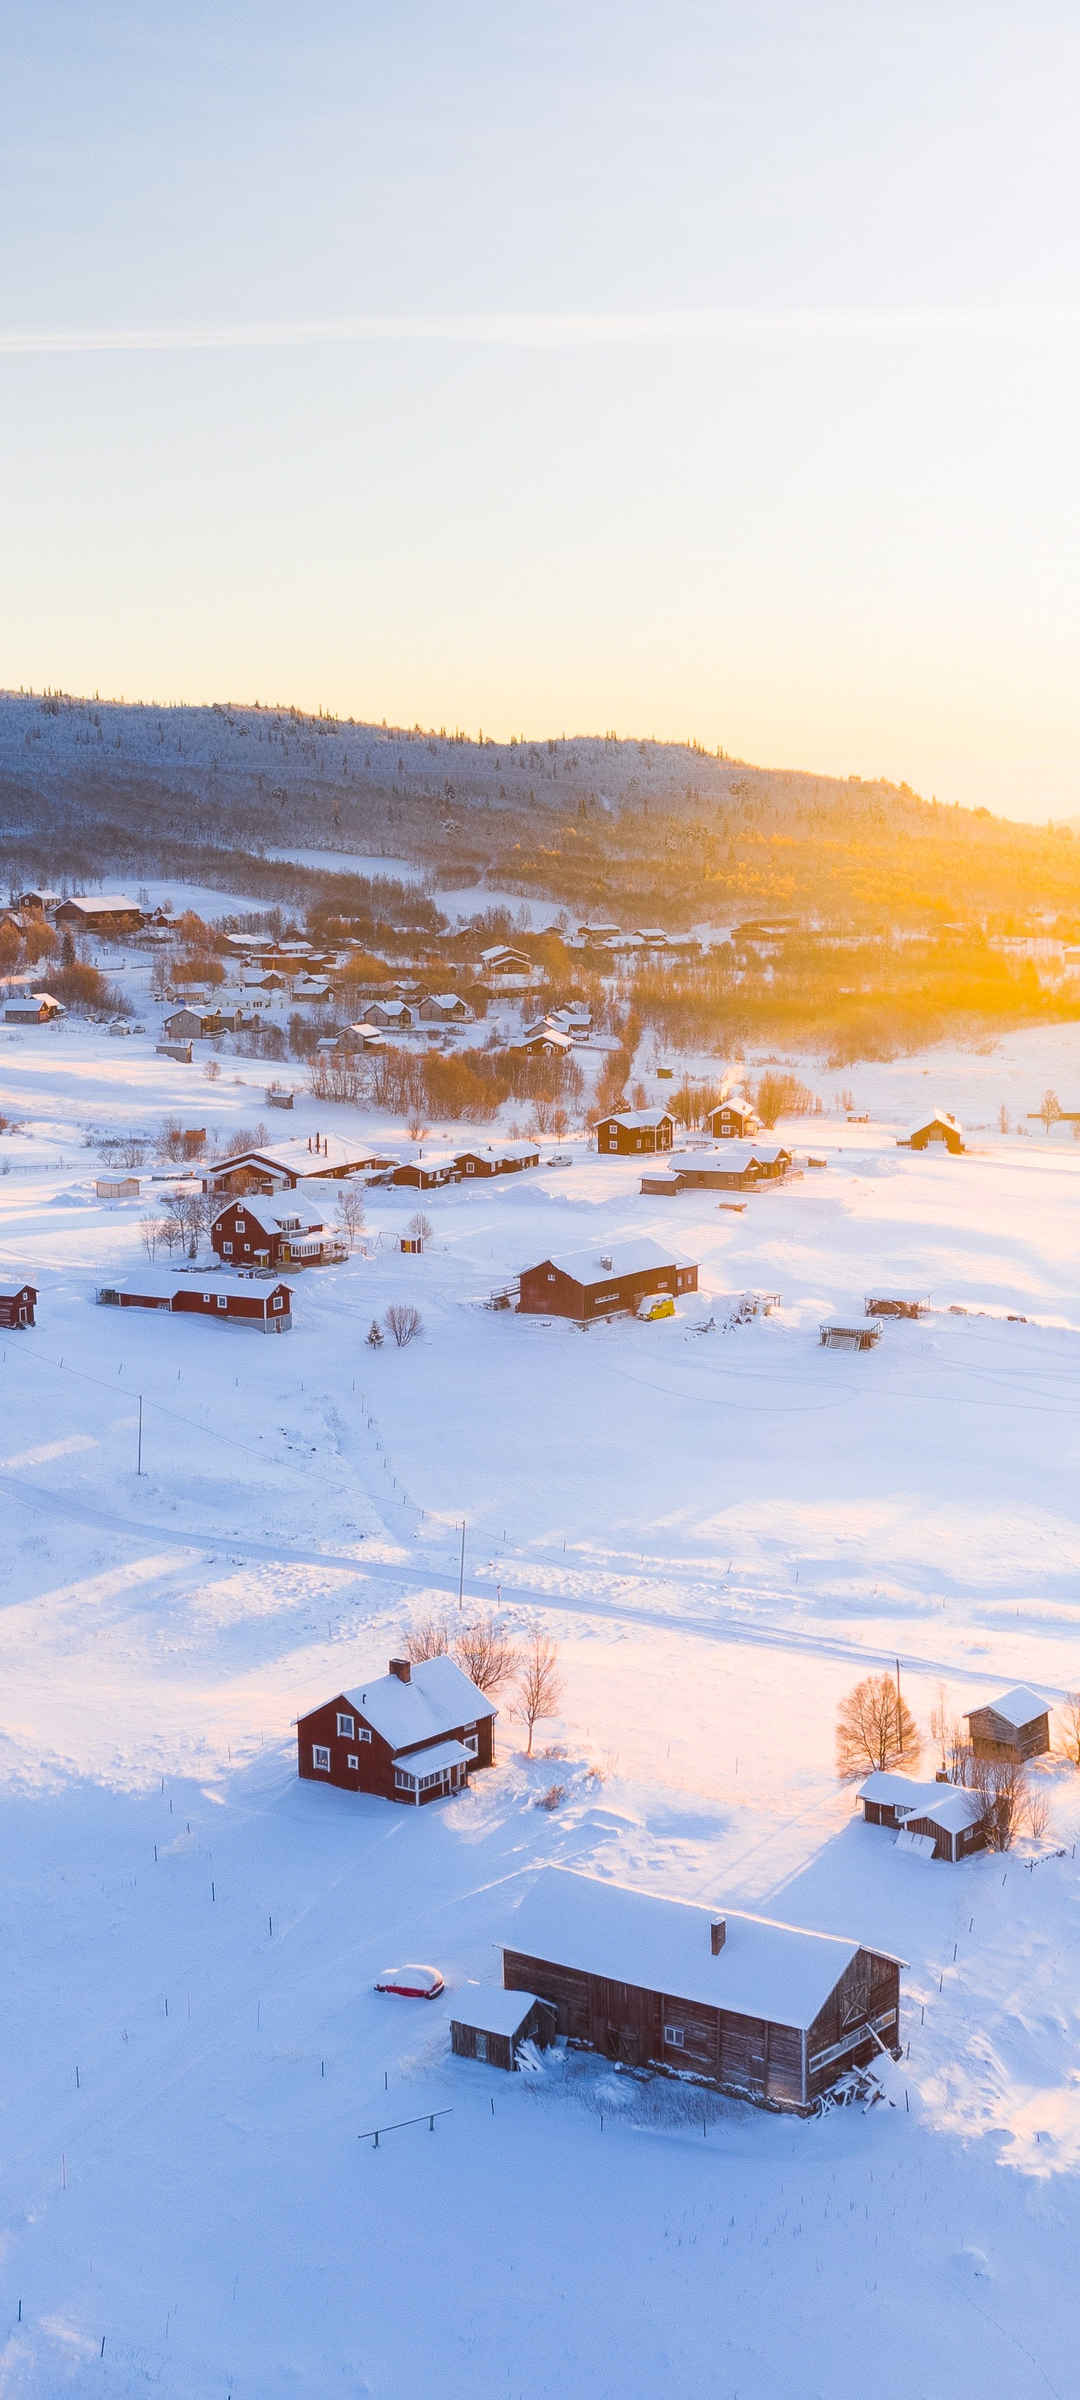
{"x":411,"y":1983}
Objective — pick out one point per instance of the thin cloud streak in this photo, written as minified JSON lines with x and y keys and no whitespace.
{"x":541,"y":330}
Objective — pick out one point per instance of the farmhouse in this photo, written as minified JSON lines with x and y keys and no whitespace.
{"x":774,"y":2012}
{"x":427,"y":1172}
{"x":277,"y":1230}
{"x":113,"y":914}
{"x":195,"y":1024}
{"x":491,"y":2024}
{"x":935,"y":1820}
{"x":413,"y":1735}
{"x":632,"y":1130}
{"x":542,"y":1041}
{"x":509,"y":967}
{"x":1014,"y":1726}
{"x":942,"y":1129}
{"x":325,"y":1156}
{"x":738,"y":1169}
{"x":444,"y":1008}
{"x":733,"y":1119}
{"x":44,"y":901}
{"x":497,"y":1158}
{"x":17,"y":1308}
{"x":38,"y":1008}
{"x":395,"y":1013}
{"x":585,"y":1284}
{"x":231,"y":1299}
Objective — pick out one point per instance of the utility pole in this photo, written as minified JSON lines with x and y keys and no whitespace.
{"x":461,"y":1570}
{"x":138,"y":1468}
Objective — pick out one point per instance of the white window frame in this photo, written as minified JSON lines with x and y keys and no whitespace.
{"x":346,"y":1724}
{"x":277,"y":1301}
{"x":222,"y":1299}
{"x":352,"y":1760}
{"x":403,"y":1781}
{"x":241,"y":1224}
{"x":471,"y":1740}
{"x":227,"y":1248}
{"x":320,"y":1758}
{"x":363,"y":1733}
{"x":674,"y":2037}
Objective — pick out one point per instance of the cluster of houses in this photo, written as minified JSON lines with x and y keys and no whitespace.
{"x":775,"y":2013}
{"x":947,"y":1820}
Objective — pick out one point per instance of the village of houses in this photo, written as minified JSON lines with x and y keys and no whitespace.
{"x":442,"y":1706}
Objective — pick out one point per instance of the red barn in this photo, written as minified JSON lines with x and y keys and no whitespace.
{"x":280,"y":1229}
{"x":230,"y":1299}
{"x":585,"y":1284}
{"x":413,"y":1735}
{"x":17,"y":1308}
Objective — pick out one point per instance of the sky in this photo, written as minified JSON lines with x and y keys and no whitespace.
{"x":696,"y":371}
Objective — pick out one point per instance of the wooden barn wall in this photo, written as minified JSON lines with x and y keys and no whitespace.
{"x":867,"y":1989}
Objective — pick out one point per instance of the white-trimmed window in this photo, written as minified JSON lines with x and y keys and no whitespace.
{"x":471,"y":1739}
{"x":363,"y":1733}
{"x":227,"y":1247}
{"x":551,"y":1278}
{"x":277,"y":1301}
{"x":223,"y":1299}
{"x":352,"y":1760}
{"x":241,"y":1224}
{"x":674,"y":2037}
{"x":320,"y":1758}
{"x":403,"y":1781}
{"x":346,"y":1725}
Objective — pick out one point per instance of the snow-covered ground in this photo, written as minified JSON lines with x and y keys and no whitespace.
{"x":722,"y":1530}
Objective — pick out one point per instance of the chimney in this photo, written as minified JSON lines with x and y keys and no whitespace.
{"x":717,"y":1935}
{"x":402,"y":1669}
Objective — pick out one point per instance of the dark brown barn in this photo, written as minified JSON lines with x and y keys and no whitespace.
{"x":1015,"y":1726}
{"x":633,"y":1130}
{"x":738,"y":1169}
{"x":497,"y":1158}
{"x":425,"y":1174}
{"x":937,"y":1820}
{"x":585,"y":1284}
{"x":413,"y":1735}
{"x":17,"y":1308}
{"x":325,"y":1157}
{"x":90,"y":915}
{"x":230,"y":1299}
{"x":774,"y":2012}
{"x":490,"y":2024}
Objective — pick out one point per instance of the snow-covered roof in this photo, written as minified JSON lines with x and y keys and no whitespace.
{"x":432,"y":1760}
{"x":500,"y":1150}
{"x":1017,"y":1707}
{"x":437,"y":1696}
{"x":733,"y":1157}
{"x":634,"y":1120}
{"x":296,"y":1156}
{"x":623,"y":1258}
{"x":163,"y":1283}
{"x":282,"y":1208}
{"x":447,"y":1000}
{"x":951,"y":1805}
{"x":488,"y":2009}
{"x":784,"y":1973}
{"x":939,"y":1116}
{"x":104,"y":905}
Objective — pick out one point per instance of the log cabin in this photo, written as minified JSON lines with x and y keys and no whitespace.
{"x":396,"y":1014}
{"x":1014,"y":1726}
{"x":35,"y":1008}
{"x":773,"y":2012}
{"x":444,"y":1008}
{"x":935,"y":1820}
{"x":743,"y":1168}
{"x":112,"y":914}
{"x":585,"y":1284}
{"x":497,"y":1158}
{"x":413,"y":1735}
{"x":629,"y":1131}
{"x":17,"y":1308}
{"x":229,"y":1299}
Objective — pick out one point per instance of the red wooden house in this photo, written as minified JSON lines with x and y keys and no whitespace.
{"x":278,"y":1229}
{"x":584,"y":1284}
{"x":632,"y":1130}
{"x":733,"y":1119}
{"x":17,"y":1308}
{"x":413,"y":1735}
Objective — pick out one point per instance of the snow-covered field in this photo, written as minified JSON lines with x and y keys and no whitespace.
{"x":722,"y":1530}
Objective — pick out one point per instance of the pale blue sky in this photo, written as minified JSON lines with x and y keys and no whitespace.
{"x":692,"y":370}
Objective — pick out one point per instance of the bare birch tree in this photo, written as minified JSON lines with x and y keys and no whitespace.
{"x":874,"y":1728}
{"x":538,"y":1684}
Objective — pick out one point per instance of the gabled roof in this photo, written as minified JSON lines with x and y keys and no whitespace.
{"x":938,"y":1116}
{"x":437,"y":1697}
{"x":296,"y":1157}
{"x":733,"y":1156}
{"x":1018,"y":1707}
{"x":627,"y":1258}
{"x":784,"y":1973}
{"x":950,"y":1805}
{"x":166,"y":1283}
{"x":486,"y":2008}
{"x":104,"y":905}
{"x":633,"y":1120}
{"x":499,"y":1150}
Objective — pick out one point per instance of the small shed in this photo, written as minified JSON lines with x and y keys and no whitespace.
{"x":883,"y":1305}
{"x":490,"y":2024}
{"x":17,"y":1308}
{"x":850,"y":1337}
{"x":1014,"y":1726}
{"x":117,"y":1187}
